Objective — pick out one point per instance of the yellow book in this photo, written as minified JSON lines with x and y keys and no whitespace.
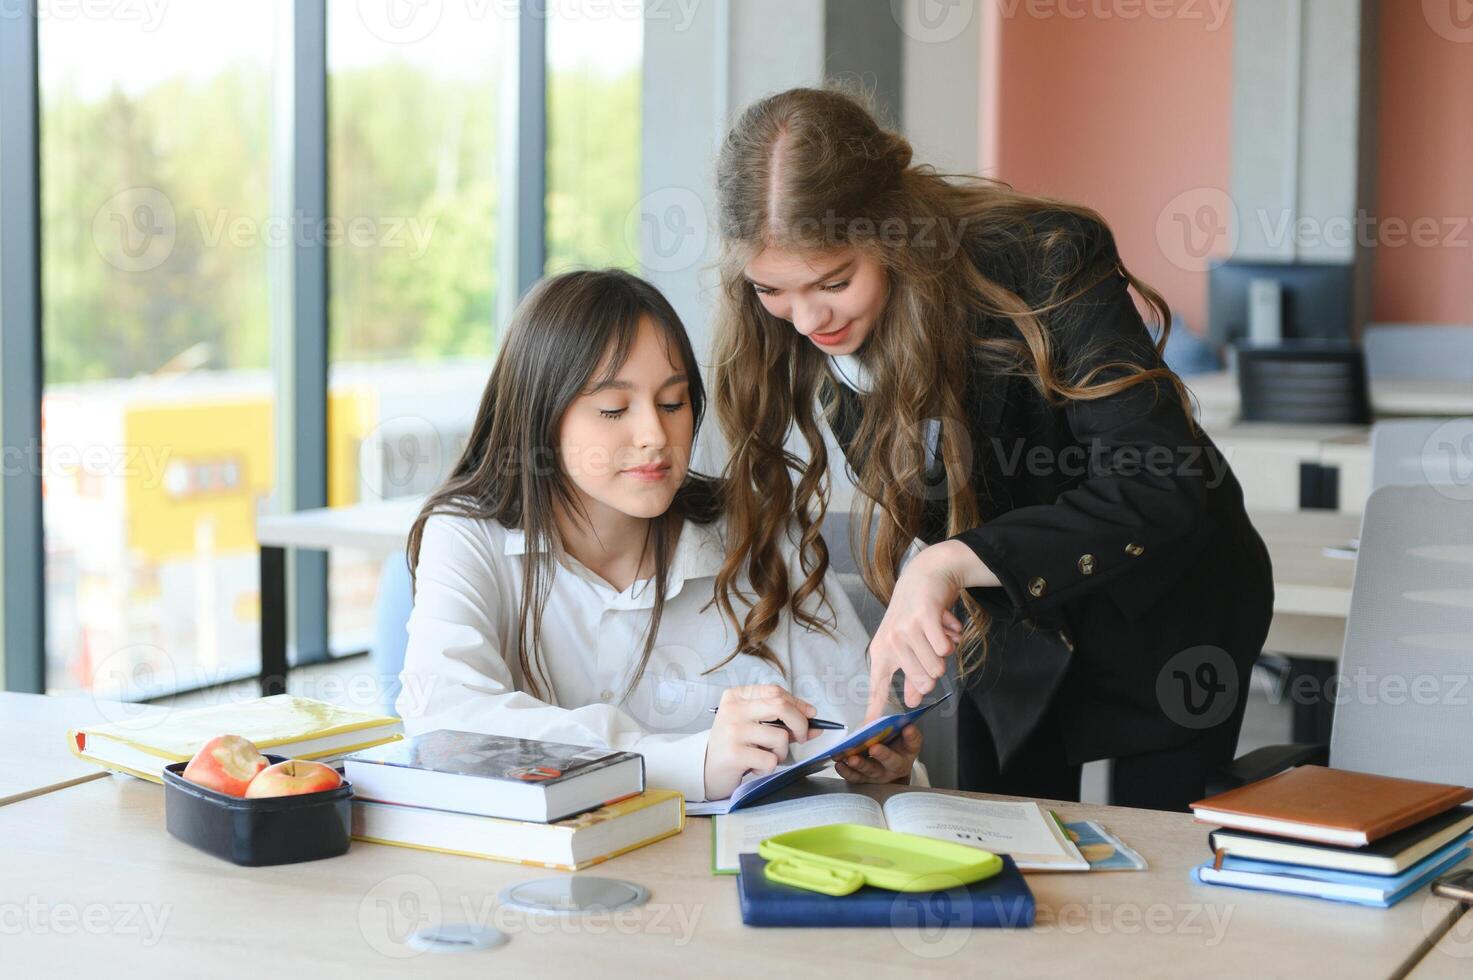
{"x":566,"y":845}
{"x":299,"y":728}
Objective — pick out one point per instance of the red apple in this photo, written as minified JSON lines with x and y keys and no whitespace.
{"x":226,"y":764}
{"x":293,"y":778}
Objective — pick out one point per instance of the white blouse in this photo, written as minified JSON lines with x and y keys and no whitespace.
{"x":461,"y":670}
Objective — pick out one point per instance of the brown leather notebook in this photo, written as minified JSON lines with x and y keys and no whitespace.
{"x":1332,"y":806}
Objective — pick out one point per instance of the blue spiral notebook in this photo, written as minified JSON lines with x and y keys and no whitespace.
{"x":1002,"y":901}
{"x":1378,"y":891}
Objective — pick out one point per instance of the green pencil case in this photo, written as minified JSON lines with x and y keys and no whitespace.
{"x":843,"y":857}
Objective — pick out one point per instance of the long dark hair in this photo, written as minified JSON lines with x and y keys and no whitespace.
{"x":509,"y":472}
{"x":811,"y":169}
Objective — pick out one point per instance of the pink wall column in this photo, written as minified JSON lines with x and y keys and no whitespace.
{"x":1123,"y":114}
{"x":1425,"y":167}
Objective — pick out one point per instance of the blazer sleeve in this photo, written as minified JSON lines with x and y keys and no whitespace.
{"x":1144,"y":471}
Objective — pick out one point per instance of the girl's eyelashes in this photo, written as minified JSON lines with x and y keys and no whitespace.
{"x":668,"y":407}
{"x":833,"y":287}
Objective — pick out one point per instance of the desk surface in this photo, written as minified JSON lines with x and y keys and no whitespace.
{"x":103,"y":844}
{"x":33,"y":754}
{"x":1306,"y":581}
{"x":1452,"y":957}
{"x":380,"y":526}
{"x":1217,"y":396}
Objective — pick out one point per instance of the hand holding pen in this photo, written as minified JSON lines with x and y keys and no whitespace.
{"x":752,"y":731}
{"x":821,"y":724}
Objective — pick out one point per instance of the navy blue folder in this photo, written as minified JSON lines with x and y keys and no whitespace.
{"x":1004,"y":900}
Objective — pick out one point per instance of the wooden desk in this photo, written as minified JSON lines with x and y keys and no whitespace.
{"x":381,"y":526}
{"x":1266,"y":458}
{"x":1311,"y":603}
{"x":102,"y":845}
{"x":1307,"y":582}
{"x":34,"y":758}
{"x":1217,"y":396}
{"x":1451,"y":957}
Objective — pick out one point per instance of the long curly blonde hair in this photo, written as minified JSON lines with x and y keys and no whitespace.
{"x":809,"y":171}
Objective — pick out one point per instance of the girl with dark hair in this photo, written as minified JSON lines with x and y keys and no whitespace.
{"x":997,"y":396}
{"x":564,"y":572}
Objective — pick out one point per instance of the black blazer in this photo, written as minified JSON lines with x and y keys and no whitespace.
{"x":1119,"y":534}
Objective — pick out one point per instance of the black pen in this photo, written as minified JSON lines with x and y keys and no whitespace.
{"x":821,"y":724}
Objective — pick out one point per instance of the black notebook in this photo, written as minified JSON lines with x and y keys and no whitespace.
{"x":1388,"y":856}
{"x":494,"y":775}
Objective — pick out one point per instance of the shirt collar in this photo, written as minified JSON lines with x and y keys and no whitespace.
{"x":851,"y":373}
{"x":699,"y":553}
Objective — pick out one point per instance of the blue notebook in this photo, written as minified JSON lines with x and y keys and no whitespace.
{"x":1002,"y":901}
{"x":879,"y":730}
{"x":1379,"y":891}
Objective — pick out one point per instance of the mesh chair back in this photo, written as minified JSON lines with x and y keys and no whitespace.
{"x":1404,"y":706}
{"x":1408,"y":452}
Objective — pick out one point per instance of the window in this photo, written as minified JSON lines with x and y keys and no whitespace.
{"x":157,"y":406}
{"x":416,"y":130}
{"x":594,"y":55}
{"x":165,"y":253}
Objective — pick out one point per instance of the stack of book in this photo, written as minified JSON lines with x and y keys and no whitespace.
{"x":1337,"y":835}
{"x":299,"y":728}
{"x":544,"y":804}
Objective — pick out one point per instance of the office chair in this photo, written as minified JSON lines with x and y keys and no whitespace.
{"x":1422,"y":451}
{"x":1420,"y":351}
{"x":1404,"y":706}
{"x":1303,"y":383}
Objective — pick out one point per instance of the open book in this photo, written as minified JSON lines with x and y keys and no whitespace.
{"x":1022,"y":829}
